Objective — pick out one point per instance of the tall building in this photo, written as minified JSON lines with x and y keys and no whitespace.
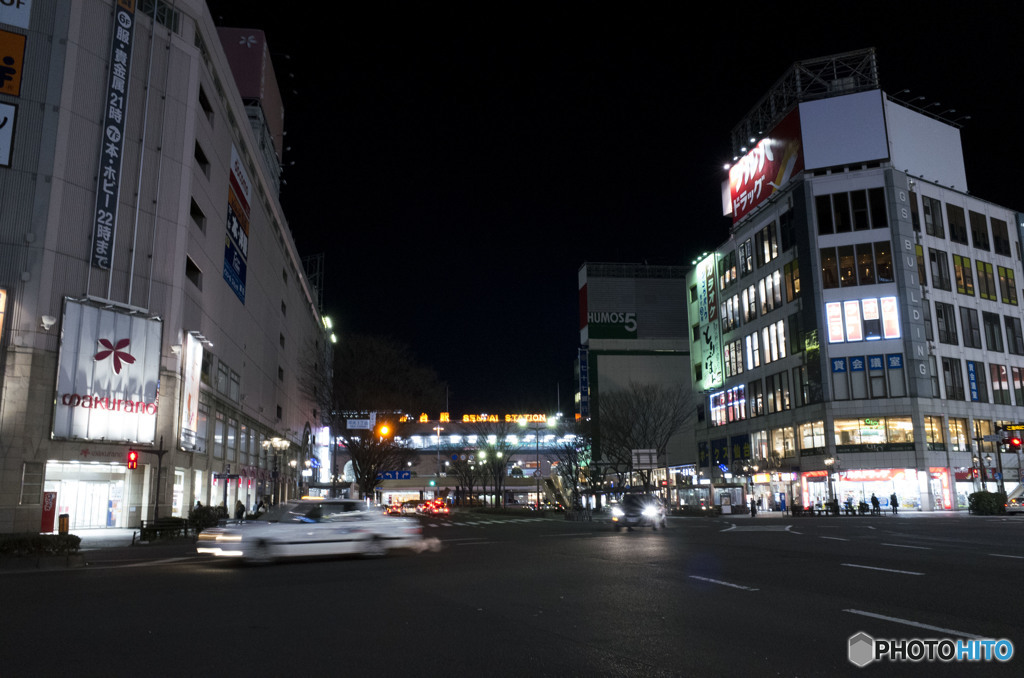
{"x":151,"y":295}
{"x":633,"y":330}
{"x":861,"y":328}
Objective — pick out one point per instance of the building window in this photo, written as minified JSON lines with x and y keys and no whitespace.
{"x":993,"y":332}
{"x":915,"y":213}
{"x":193,"y":273}
{"x":879,"y":212}
{"x":933,"y":433}
{"x":222,"y":377}
{"x":883,"y":262}
{"x":921,"y":268}
{"x":727,"y":270}
{"x":696,"y":335}
{"x":829,"y":268}
{"x":792,"y":271}
{"x":979,"y":231}
{"x":940,"y":269}
{"x":959,"y":435}
{"x":1000,"y":239}
{"x":802,"y":386}
{"x":202,"y":161}
{"x":823,"y":206}
{"x":812,"y":435}
{"x":929,"y":330}
{"x":1007,"y":285}
{"x":204,"y":104}
{"x":964,"y":275}
{"x":953,"y":379}
{"x":766,"y":244}
{"x":284,"y":308}
{"x":755,"y":398}
{"x":733,"y":358}
{"x":279,"y":413}
{"x":986,"y":281}
{"x":957,"y":225}
{"x":977,"y":381}
{"x":202,"y":425}
{"x":280,"y":374}
{"x":218,"y":436}
{"x":748,"y":298}
{"x":235,"y":387}
{"x":932,"y":209}
{"x":847,"y":267}
{"x":232,"y":438}
{"x":1014,"y":337}
{"x":746,"y":257}
{"x":198,"y":218}
{"x":945,"y":322}
{"x":1017,"y":373}
{"x":865,"y":263}
{"x":32,"y":483}
{"x":1000,"y":384}
{"x":971,"y":327}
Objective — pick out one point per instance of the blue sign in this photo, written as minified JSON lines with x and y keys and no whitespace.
{"x":972,"y":379}
{"x":876,"y":362}
{"x":895,"y":361}
{"x":394,"y":475}
{"x":838,"y":365}
{"x":857,"y":364}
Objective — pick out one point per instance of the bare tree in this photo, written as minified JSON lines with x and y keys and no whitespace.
{"x":495,"y":453}
{"x":640,"y":417}
{"x":373,"y":454}
{"x":466,"y":471}
{"x":574,"y":457}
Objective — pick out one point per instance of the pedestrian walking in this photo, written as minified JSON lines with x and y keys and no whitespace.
{"x":876,"y":506}
{"x":239,"y":510}
{"x":893,"y":502}
{"x":753,"y":507}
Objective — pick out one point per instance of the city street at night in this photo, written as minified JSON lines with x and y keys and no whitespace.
{"x":528,"y":597}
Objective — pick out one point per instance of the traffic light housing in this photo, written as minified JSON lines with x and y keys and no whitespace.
{"x":1012,"y":441}
{"x":133,"y":459}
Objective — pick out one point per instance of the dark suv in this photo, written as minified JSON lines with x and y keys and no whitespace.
{"x":638,"y":510}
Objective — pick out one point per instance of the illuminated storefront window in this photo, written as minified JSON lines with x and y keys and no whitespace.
{"x":783,"y":441}
{"x":812,"y":435}
{"x":878,"y":434}
{"x":933,"y":433}
{"x":959,"y":435}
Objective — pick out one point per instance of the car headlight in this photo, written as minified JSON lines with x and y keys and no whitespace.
{"x":650,"y":511}
{"x":617,"y":512}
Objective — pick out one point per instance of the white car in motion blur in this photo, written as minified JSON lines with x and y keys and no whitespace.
{"x":312,"y":527}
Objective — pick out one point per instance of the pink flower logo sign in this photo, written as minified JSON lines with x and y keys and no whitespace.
{"x":120,"y":355}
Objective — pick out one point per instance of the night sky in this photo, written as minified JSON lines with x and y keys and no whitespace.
{"x":457,"y":164}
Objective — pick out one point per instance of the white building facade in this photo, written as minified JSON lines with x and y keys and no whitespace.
{"x":152,"y":297}
{"x":861,"y":329}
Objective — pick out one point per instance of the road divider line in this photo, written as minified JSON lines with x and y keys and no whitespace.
{"x":723,"y":583}
{"x":836,"y":538}
{"x":904,"y":546}
{"x":910,"y":622}
{"x":1005,"y":555}
{"x":882,"y":569}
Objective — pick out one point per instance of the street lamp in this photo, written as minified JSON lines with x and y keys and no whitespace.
{"x":830,"y":463}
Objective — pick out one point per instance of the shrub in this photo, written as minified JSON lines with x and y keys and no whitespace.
{"x":38,"y":544}
{"x":987,"y":503}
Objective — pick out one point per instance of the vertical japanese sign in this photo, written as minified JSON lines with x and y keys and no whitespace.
{"x":192,"y":371}
{"x":584,"y":357}
{"x":236,"y":241}
{"x":710,"y":330}
{"x":115,"y":102}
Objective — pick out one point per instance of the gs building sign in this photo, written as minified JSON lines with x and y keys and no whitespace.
{"x":611,"y":325}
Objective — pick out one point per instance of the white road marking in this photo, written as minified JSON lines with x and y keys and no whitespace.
{"x":1003,"y":555}
{"x":836,"y":538}
{"x":904,"y":546}
{"x":723,"y":583}
{"x":882,"y":569}
{"x":919,"y":625}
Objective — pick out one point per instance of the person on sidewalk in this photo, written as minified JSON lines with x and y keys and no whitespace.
{"x":894,"y":503}
{"x":876,"y":506}
{"x":753,"y":507}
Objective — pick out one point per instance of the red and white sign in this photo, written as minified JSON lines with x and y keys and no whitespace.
{"x":108,"y":378}
{"x":767,"y":167}
{"x":49,"y":511}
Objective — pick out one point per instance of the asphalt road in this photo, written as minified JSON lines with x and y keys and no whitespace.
{"x":705,"y":597}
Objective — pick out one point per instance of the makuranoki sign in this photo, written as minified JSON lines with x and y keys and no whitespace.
{"x":108,"y":377}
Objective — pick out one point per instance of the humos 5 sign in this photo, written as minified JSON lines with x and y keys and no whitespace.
{"x":611,"y":324}
{"x":108,"y":377}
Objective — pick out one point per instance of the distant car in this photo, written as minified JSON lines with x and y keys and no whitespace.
{"x":1015,"y":505}
{"x":638,"y":510}
{"x":437,"y":508}
{"x":312,"y":527}
{"x":411,"y":507}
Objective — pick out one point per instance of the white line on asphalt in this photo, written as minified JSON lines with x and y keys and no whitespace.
{"x":836,"y":538}
{"x":919,"y":625}
{"x":567,"y":534}
{"x":1003,"y":555}
{"x":723,"y":583}
{"x":904,"y":546}
{"x":882,"y":569}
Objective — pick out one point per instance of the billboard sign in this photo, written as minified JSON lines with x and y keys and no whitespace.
{"x":767,"y":167}
{"x":12,"y":62}
{"x":192,"y":371}
{"x":8,"y":112}
{"x":16,"y":12}
{"x":108,"y":375}
{"x":611,"y":324}
{"x":712,"y":369}
{"x":236,"y":242}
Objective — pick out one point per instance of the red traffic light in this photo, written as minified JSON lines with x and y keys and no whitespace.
{"x":133,"y":459}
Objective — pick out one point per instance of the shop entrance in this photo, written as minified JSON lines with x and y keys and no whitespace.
{"x":92,"y":496}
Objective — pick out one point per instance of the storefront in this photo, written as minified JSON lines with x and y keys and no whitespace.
{"x":859,"y":485}
{"x":91,"y":494}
